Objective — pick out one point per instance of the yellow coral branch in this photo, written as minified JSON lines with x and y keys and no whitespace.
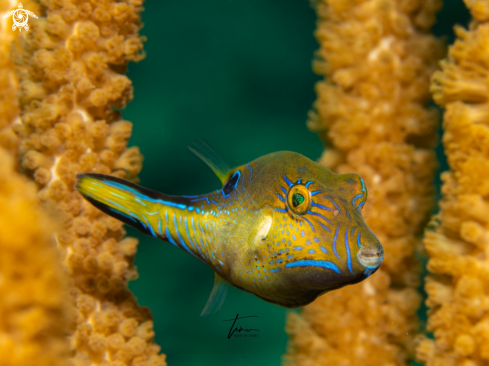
{"x":376,"y":56}
{"x":9,"y":80}
{"x":71,"y":78}
{"x":458,"y":292}
{"x":34,"y":308}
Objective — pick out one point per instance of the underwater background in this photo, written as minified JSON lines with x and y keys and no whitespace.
{"x":238,"y":75}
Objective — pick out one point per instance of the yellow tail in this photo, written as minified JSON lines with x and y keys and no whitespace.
{"x":128,"y":202}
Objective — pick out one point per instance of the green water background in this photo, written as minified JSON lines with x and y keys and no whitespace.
{"x":237,"y":74}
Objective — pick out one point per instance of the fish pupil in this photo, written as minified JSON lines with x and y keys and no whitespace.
{"x":297,"y":199}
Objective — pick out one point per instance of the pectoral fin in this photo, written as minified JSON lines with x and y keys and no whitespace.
{"x":216,"y":298}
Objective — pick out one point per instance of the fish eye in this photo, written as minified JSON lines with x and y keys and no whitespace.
{"x":299,"y":199}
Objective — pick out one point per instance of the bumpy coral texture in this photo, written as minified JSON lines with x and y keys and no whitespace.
{"x":71,"y":78}
{"x":377,"y":57}
{"x":9,"y":80}
{"x":34,"y":312}
{"x":458,"y":285}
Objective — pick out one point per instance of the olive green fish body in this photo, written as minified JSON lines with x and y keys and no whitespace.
{"x":282,"y":227}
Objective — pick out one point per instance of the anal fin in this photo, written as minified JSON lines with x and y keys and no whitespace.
{"x":216,"y":298}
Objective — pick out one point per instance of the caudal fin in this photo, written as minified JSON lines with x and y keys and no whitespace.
{"x":126,"y":201}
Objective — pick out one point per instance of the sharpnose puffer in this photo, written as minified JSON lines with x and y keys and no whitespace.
{"x":282,"y":227}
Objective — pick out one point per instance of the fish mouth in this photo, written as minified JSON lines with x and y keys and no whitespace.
{"x":370,"y":258}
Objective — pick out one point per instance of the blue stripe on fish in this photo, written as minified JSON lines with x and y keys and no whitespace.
{"x":122,"y":214}
{"x":289,"y":183}
{"x":280,"y":197}
{"x":324,"y":226}
{"x":347,"y":246}
{"x":355,"y":198}
{"x":203,"y":246}
{"x":116,"y":204}
{"x":182,"y":243}
{"x":188,"y":234}
{"x":334,"y":241}
{"x":363,"y":185}
{"x":200,"y":199}
{"x":309,"y":222}
{"x":321,"y":206}
{"x":195,"y":234}
{"x":141,"y":202}
{"x":169,"y":237}
{"x":149,"y":226}
{"x":321,"y":216}
{"x":314,"y":263}
{"x":251,"y":171}
{"x":334,"y":203}
{"x":115,"y":194}
{"x":360,"y":206}
{"x":139,"y":195}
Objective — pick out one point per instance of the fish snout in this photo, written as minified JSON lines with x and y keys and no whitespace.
{"x":371,"y":257}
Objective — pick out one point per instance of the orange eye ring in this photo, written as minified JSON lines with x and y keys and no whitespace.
{"x":299,"y":199}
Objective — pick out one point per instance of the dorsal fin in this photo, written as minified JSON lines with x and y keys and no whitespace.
{"x":218,"y":166}
{"x":211,"y":158}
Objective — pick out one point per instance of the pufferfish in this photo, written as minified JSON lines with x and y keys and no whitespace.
{"x":282,"y":227}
